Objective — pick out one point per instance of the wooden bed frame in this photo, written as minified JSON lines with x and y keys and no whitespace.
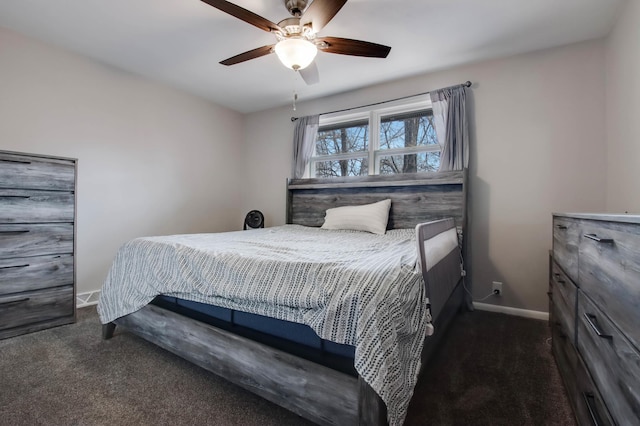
{"x":297,"y":384}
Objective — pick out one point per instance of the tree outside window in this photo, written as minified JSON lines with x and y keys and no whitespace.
{"x":392,"y":139}
{"x":340,"y":141}
{"x":410,"y":131}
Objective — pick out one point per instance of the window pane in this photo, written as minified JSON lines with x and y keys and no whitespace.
{"x":410,"y":163}
{"x":408,"y":129}
{"x":335,"y":168}
{"x":347,"y":137}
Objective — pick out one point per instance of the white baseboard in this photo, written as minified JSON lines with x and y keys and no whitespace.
{"x":89,"y":298}
{"x":512,"y":311}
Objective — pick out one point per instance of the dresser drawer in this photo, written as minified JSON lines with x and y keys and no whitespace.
{"x":612,"y":361}
{"x":610,"y":272}
{"x":26,"y":172}
{"x":33,"y":273}
{"x":36,"y":306}
{"x":25,"y":240}
{"x":564,"y":353}
{"x":566,"y":237}
{"x":564,"y":312}
{"x":27,"y":206}
{"x":590,"y":407}
{"x":566,"y":359}
{"x":568,"y":291}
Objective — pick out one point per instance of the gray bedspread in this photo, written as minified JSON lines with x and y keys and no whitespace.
{"x":350,"y":287}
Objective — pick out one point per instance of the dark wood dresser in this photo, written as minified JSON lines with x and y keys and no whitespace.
{"x":594,"y":280}
{"x":37,"y":242}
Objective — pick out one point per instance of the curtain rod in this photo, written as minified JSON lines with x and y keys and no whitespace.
{"x":466,"y":84}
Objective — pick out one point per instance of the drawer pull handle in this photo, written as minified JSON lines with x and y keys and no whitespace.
{"x":558,"y":280}
{"x":15,"y":196}
{"x":590,"y":400}
{"x":561,"y":227}
{"x":561,"y":330}
{"x":594,"y":237}
{"x":14,"y":266}
{"x":15,"y":302}
{"x":21,"y":231}
{"x":593,"y":322}
{"x":15,"y":161}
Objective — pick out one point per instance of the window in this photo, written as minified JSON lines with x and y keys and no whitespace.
{"x":387,"y":139}
{"x":342,"y":149}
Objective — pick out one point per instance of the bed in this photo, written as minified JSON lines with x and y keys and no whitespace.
{"x":370,"y":344}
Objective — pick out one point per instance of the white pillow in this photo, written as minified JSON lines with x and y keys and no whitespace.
{"x":369,"y":217}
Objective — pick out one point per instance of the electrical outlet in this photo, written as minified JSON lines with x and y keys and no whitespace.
{"x":496,"y":286}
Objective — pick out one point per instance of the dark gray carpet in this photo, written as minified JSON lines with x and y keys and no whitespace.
{"x":493,"y":369}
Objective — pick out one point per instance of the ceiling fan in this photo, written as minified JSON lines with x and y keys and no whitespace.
{"x":297,"y":40}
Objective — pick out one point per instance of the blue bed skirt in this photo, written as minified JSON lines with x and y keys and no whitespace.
{"x":291,"y":337}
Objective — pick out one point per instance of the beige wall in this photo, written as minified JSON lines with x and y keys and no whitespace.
{"x":623,"y":112}
{"x":537,"y":148}
{"x":152,"y":160}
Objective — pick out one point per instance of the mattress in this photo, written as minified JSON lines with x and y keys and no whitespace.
{"x":352,"y":288}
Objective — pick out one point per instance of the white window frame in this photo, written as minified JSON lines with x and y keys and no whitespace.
{"x":373,"y":114}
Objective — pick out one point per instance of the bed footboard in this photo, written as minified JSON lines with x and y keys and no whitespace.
{"x":304,"y":387}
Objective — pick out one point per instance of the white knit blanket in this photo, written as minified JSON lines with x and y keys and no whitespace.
{"x":350,"y":287}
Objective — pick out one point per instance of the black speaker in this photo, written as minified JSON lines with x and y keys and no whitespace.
{"x":254,"y":220}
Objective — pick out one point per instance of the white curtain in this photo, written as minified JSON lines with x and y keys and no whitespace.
{"x":304,"y":140}
{"x":452,"y":126}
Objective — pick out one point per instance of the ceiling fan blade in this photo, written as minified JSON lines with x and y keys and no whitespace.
{"x":251,"y":54}
{"x":244,"y":15}
{"x":310,"y":74}
{"x":320,"y":12}
{"x":346,"y":46}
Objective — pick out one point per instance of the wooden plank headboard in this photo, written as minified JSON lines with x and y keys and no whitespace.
{"x":415,"y":198}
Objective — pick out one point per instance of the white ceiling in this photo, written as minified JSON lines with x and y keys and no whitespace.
{"x":180,"y":42}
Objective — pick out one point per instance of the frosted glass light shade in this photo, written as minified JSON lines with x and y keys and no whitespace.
{"x":296,"y":53}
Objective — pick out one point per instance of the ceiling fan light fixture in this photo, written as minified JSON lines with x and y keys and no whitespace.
{"x":296,"y":53}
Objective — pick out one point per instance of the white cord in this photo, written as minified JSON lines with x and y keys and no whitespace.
{"x":465,"y":286}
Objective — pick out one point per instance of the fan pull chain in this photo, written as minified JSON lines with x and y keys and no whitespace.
{"x":295,"y":92}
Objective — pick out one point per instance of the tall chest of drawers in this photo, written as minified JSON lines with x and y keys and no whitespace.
{"x":37,"y":242}
{"x":594,"y":279}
